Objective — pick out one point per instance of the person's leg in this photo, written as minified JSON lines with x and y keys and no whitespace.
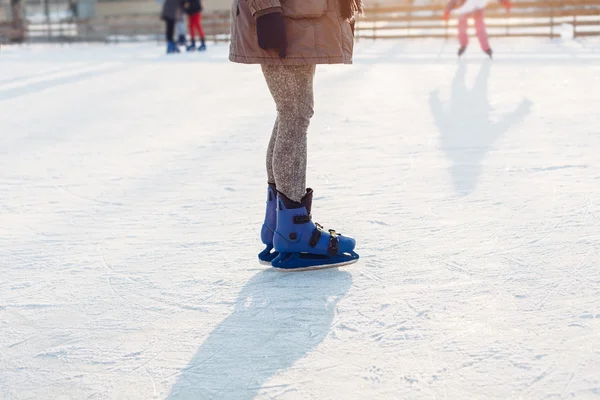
{"x":201,"y":33}
{"x":270,"y":149}
{"x":200,"y":29}
{"x":170,"y":29}
{"x":191,"y":27}
{"x":181,"y":30}
{"x":463,"y":25}
{"x":481,"y":30}
{"x":297,"y":240}
{"x":292,"y":90}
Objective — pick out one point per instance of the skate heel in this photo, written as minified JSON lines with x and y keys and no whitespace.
{"x":268,"y":227}
{"x":266,"y":256}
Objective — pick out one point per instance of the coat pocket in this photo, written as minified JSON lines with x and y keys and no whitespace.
{"x":298,"y":9}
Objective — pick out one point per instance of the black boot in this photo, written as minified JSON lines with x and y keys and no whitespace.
{"x":202,"y":46}
{"x":489,"y":52}
{"x":461,"y":50}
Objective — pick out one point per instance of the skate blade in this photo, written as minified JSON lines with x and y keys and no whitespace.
{"x":316,"y":267}
{"x":293,"y":262}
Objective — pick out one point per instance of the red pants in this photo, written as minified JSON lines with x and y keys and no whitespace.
{"x":463,"y":23}
{"x":195,"y":25}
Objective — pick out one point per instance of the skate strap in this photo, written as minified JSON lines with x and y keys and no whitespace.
{"x":302,"y":219}
{"x":333,"y":239}
{"x":316,"y":235}
{"x":333,"y":242}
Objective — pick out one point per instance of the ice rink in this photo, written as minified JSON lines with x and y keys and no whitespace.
{"x":132,"y":191}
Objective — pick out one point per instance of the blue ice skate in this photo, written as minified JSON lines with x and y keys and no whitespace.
{"x":304,"y":245}
{"x":191,"y":47}
{"x":172,"y":48}
{"x":202,"y":46}
{"x":268,"y":228}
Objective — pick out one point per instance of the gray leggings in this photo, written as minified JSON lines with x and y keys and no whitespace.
{"x":292,"y":89}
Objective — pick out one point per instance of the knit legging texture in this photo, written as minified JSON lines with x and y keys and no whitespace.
{"x":292,"y":89}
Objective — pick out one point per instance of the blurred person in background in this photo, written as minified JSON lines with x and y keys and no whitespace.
{"x":288,"y":38}
{"x":18,"y":21}
{"x":180,"y":30}
{"x":170,"y":13}
{"x":193,"y":9}
{"x":471,"y":8}
{"x":73,"y":9}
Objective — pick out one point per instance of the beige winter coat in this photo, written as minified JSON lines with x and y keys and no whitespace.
{"x":316,"y":33}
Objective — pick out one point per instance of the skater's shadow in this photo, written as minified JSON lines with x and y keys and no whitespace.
{"x":279,"y":318}
{"x":468,"y":127}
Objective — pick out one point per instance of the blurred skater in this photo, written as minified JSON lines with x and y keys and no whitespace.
{"x":471,"y":8}
{"x":170,"y":13}
{"x":193,"y":9}
{"x":180,"y":30}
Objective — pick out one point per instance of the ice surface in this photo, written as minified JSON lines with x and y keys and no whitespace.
{"x":132,"y":190}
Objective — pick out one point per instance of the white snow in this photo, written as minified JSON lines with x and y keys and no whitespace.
{"x":132,"y":191}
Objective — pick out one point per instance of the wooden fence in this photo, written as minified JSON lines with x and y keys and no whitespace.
{"x":546,"y":18}
{"x":542,"y":18}
{"x":216,"y":27}
{"x":112,"y":29}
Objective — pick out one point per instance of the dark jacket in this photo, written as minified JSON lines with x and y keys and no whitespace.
{"x":191,"y":7}
{"x":171,"y":9}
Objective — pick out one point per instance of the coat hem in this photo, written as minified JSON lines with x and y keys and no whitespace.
{"x":289,"y":60}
